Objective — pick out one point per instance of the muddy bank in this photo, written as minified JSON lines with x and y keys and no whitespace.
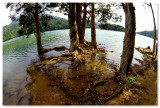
{"x":143,"y":90}
{"x":93,"y":82}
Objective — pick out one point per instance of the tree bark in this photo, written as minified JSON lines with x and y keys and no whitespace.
{"x":74,"y":39}
{"x":154,"y":41}
{"x":38,"y":32}
{"x":129,"y":41}
{"x":78,"y":17}
{"x":81,"y":37}
{"x":93,"y":29}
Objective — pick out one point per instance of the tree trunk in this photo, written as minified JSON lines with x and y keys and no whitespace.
{"x":38,"y":32}
{"x":156,"y":49}
{"x":129,"y":41}
{"x":81,"y":37}
{"x":74,"y":39}
{"x":78,"y":17}
{"x":93,"y":29}
{"x":154,"y":41}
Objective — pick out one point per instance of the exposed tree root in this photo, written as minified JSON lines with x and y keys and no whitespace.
{"x":67,"y":90}
{"x":57,"y":48}
{"x":120,"y":89}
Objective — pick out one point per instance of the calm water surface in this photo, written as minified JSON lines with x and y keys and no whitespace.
{"x":18,"y":53}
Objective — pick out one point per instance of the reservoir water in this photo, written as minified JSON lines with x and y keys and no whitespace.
{"x":18,"y":53}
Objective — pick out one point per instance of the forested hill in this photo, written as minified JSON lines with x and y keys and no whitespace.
{"x":148,"y":33}
{"x":55,"y":23}
{"x":113,"y":27}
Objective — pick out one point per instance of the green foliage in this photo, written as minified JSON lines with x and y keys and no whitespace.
{"x":28,"y":24}
{"x":131,"y":80}
{"x":10,"y":31}
{"x":148,"y":33}
{"x":106,"y":13}
{"x":112,"y":27}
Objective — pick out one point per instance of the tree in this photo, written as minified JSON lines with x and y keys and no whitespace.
{"x":93,"y":29}
{"x":29,"y":16}
{"x":147,"y":5}
{"x":129,"y":40}
{"x":40,"y":49}
{"x":78,"y":17}
{"x":106,"y":13}
{"x":82,"y":40}
{"x":74,"y":39}
{"x":154,"y":41}
{"x":81,"y":22}
{"x":75,"y":49}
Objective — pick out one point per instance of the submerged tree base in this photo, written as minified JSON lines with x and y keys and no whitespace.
{"x":56,"y":81}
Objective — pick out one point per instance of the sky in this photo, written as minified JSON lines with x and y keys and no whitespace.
{"x":144,"y":19}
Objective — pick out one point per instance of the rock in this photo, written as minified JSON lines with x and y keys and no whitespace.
{"x":59,"y":48}
{"x":148,"y":47}
{"x":116,"y":69}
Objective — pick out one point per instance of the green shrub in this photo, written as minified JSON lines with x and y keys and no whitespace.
{"x":131,"y":80}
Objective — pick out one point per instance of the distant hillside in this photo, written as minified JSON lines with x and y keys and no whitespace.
{"x":55,"y":23}
{"x":113,"y":27}
{"x":148,"y":33}
{"x":10,"y":31}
